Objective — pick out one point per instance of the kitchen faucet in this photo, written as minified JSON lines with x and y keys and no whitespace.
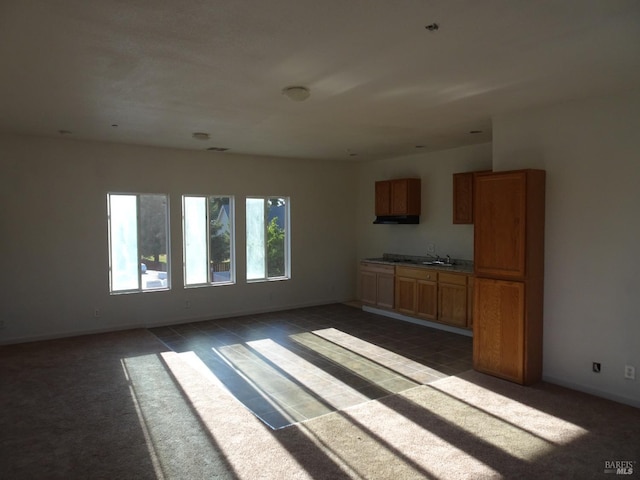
{"x":438,"y":260}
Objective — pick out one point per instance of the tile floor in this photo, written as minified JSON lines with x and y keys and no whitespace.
{"x":294,"y":365}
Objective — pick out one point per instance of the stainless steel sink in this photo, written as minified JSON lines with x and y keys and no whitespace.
{"x":439,"y":264}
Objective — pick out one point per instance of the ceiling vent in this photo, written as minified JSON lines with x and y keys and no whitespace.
{"x":296,"y":93}
{"x":200,"y":136}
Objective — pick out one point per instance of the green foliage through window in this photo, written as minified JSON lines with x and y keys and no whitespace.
{"x":267,"y":238}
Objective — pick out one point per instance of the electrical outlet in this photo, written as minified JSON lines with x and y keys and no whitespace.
{"x":431,"y":248}
{"x":596,"y":367}
{"x":96,"y":312}
{"x":187,"y":304}
{"x":630,"y":372}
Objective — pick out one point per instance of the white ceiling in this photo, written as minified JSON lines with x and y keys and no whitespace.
{"x":381,"y":83}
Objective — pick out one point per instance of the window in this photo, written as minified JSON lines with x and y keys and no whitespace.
{"x":267,"y":238}
{"x":208,"y":240}
{"x":138,"y":242}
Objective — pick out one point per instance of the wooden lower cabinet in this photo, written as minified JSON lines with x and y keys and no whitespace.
{"x":385,"y":285}
{"x":416,"y":292}
{"x":499,"y":328}
{"x":427,"y":305}
{"x":368,"y":287}
{"x":452,"y":299}
{"x":406,"y":295}
{"x":377,"y":285}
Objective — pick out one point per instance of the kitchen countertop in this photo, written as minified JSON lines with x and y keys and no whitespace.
{"x":457,"y":265}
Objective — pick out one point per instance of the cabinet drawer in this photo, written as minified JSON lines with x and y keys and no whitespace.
{"x":377,"y":268}
{"x":417,"y":273}
{"x":452,"y":279}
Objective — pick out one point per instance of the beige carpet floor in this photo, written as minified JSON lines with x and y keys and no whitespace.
{"x":121,"y":405}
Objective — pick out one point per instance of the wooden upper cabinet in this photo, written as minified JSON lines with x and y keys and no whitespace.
{"x":463,"y":197}
{"x":509,"y":208}
{"x":398,"y":197}
{"x":463,"y":205}
{"x":383,"y":198}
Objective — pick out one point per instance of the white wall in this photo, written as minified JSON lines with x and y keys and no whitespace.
{"x":54,"y":238}
{"x":53,"y":231}
{"x":590,"y":150}
{"x":436,"y":224}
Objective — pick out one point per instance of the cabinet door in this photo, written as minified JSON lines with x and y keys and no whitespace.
{"x":399,"y":197}
{"x":385,"y":290}
{"x":405,"y":196}
{"x":427,"y":304}
{"x":470,"y":285}
{"x":406,"y":295}
{"x":452,"y":304}
{"x":463,"y":197}
{"x":499,"y":233}
{"x":498,"y":328}
{"x":368,"y":287}
{"x":383,"y":198}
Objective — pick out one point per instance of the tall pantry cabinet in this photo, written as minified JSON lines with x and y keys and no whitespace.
{"x":509,"y":274}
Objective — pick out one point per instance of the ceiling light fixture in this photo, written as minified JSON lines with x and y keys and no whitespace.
{"x":475,"y":131}
{"x":200,"y":136}
{"x":296,"y":93}
{"x":217,"y":149}
{"x":64,"y":132}
{"x":432,"y":27}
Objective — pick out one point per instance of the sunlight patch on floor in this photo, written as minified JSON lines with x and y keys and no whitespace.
{"x":325,"y":386}
{"x":384,"y":436}
{"x":363,"y":367}
{"x":231,"y":424}
{"x":338,"y":448}
{"x":501,"y":434}
{"x":174,"y":435}
{"x":386,"y":358}
{"x":422,"y":430}
{"x":292,"y":400}
{"x":540,"y":424}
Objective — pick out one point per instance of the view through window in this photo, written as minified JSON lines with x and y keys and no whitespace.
{"x":138,"y":242}
{"x":208,"y":239}
{"x":267,"y":238}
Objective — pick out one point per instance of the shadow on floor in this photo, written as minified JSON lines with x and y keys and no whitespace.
{"x":299,"y":364}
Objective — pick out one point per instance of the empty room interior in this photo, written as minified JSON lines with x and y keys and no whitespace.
{"x":298,"y":239}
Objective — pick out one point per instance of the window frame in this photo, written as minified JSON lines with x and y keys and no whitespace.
{"x":232,"y":236}
{"x":287,"y":239}
{"x":140,"y":288}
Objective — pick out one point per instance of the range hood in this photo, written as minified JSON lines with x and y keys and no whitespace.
{"x":397,"y":219}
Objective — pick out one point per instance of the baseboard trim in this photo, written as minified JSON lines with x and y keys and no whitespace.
{"x":591,"y":391}
{"x":165,"y":322}
{"x":424,"y":323}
